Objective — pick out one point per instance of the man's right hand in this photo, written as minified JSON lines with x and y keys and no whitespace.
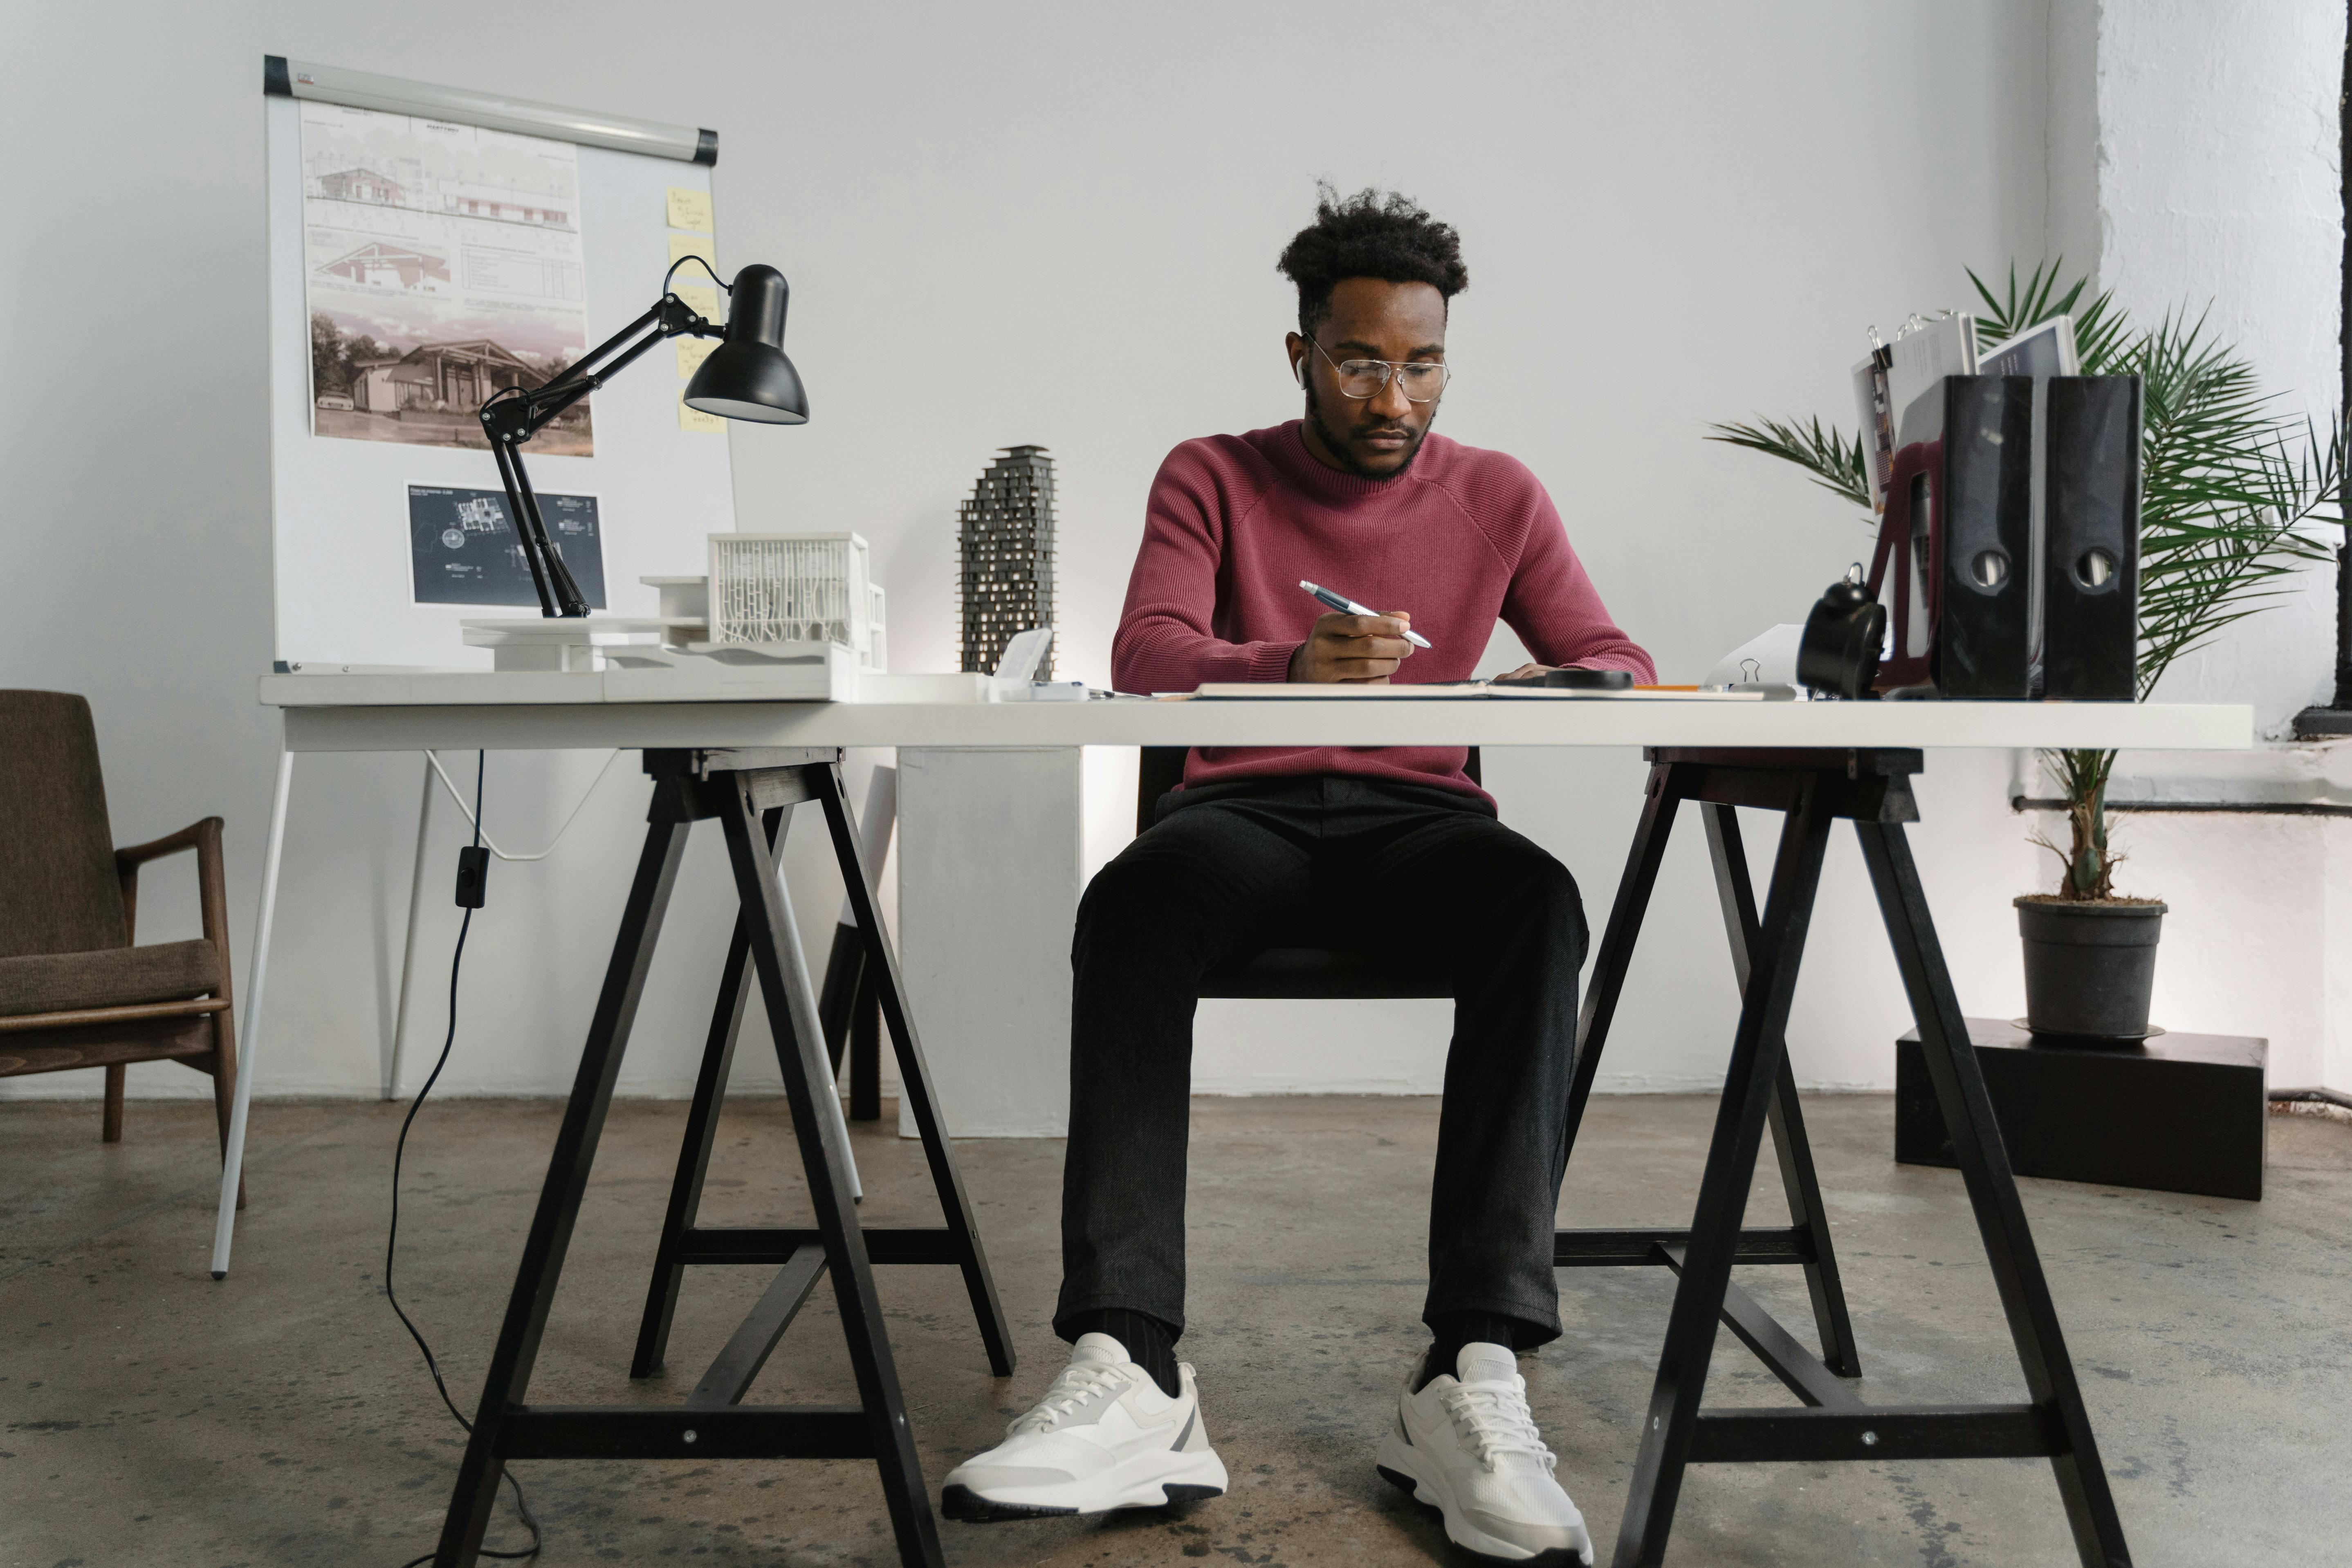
{"x":1365,"y":649}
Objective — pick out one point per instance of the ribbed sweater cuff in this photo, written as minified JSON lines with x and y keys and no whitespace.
{"x":1271,"y":660}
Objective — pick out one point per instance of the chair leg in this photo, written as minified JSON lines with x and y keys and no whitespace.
{"x":111,"y":1129}
{"x":845,"y":967}
{"x":223,"y":1071}
{"x":865,"y":1051}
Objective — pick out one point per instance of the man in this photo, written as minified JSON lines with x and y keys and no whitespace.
{"x":1391,"y":848}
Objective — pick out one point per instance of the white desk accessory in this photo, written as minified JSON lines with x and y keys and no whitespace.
{"x":1768,"y":658}
{"x":1015,"y":680}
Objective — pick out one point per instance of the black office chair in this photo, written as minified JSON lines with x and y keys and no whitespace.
{"x":1302,"y":973}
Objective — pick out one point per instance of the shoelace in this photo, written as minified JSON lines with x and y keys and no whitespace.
{"x":1075,"y":1382}
{"x":1493,"y":1419}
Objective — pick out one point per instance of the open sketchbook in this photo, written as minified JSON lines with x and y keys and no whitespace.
{"x":1478,"y":690}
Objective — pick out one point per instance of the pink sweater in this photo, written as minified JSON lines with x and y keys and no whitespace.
{"x":1463,"y":538}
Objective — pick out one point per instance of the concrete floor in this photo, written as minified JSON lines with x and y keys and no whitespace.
{"x":149,"y":1415}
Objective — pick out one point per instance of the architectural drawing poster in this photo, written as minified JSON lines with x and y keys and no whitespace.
{"x":441,"y":263}
{"x":463,"y":548}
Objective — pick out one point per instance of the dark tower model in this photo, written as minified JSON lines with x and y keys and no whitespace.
{"x":1005,"y":536}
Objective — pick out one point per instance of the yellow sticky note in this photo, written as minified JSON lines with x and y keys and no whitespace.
{"x":703,"y":300}
{"x":689,"y":209}
{"x":681,"y":245}
{"x":695,"y":419}
{"x":691,"y":353}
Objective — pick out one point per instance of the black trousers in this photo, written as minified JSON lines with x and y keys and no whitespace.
{"x":1324,"y":862}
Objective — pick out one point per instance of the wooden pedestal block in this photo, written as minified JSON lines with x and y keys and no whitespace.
{"x":2179,"y":1113}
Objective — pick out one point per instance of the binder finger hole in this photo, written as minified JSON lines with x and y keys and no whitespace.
{"x":2095,"y":569}
{"x":1989,"y":569}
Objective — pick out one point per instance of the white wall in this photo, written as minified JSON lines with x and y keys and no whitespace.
{"x":2194,"y":149}
{"x":2218,"y":133}
{"x":1029,"y":222}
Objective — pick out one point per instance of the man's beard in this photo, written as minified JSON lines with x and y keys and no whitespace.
{"x":1341,"y":450}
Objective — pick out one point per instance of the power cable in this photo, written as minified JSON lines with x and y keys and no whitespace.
{"x":469,"y":895}
{"x":474,"y":816}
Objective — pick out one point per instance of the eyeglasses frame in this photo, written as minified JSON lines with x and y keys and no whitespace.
{"x":1389,"y":369}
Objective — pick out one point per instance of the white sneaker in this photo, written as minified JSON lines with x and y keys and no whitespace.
{"x":1468,"y":1447}
{"x":1104,"y":1436}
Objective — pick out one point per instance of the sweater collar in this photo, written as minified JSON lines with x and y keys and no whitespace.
{"x":1323,"y":483}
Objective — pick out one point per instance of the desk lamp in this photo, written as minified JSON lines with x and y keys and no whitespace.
{"x":747,"y":376}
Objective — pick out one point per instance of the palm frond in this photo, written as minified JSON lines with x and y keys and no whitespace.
{"x":2227,"y":499}
{"x":2099,"y":327}
{"x":2017,"y":310}
{"x":1825,"y":453}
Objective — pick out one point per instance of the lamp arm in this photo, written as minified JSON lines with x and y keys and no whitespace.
{"x":513,"y":416}
{"x":559,"y":595}
{"x":518,"y":415}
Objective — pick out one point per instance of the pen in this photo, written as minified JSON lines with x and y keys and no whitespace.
{"x":1347,"y":606}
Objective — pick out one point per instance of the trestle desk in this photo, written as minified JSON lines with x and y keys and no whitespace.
{"x":748,"y":763}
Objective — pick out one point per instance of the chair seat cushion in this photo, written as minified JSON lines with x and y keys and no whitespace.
{"x":1326,"y":973}
{"x":108,"y":977}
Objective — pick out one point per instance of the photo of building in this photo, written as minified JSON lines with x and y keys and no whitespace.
{"x":451,"y":375}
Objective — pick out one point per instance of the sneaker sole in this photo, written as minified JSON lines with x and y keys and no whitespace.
{"x":1202,"y":1476}
{"x":1478,"y":1543}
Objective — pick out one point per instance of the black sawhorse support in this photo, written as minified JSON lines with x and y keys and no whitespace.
{"x":750,"y":793}
{"x":1812,"y":789}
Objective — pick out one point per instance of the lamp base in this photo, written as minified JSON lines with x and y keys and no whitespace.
{"x":2322,"y":723}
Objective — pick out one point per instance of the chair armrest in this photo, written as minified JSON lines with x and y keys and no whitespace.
{"x":204,"y":838}
{"x":138,"y":855}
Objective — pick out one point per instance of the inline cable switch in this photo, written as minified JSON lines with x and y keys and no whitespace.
{"x":473,"y":876}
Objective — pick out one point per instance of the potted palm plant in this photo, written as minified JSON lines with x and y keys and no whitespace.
{"x":2230,"y":492}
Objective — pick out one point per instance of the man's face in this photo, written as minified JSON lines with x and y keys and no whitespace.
{"x":1374,"y":436}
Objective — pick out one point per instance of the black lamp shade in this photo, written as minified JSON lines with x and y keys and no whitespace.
{"x":748,"y":376}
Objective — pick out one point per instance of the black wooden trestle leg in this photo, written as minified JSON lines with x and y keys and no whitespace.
{"x":1805,"y":1241}
{"x":701,"y":1127}
{"x":1814,"y":789}
{"x":751,"y":794}
{"x":1993,"y":1192}
{"x":1798,"y":1179}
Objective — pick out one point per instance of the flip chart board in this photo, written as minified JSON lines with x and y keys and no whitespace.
{"x":427,"y":245}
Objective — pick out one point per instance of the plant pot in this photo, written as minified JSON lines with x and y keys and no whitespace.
{"x":2089,"y":966}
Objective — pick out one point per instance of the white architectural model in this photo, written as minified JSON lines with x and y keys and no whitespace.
{"x":796,"y":588}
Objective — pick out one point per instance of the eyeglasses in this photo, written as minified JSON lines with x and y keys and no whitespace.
{"x":1360,"y":378}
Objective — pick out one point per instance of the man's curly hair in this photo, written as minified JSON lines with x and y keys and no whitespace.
{"x":1372,"y":233}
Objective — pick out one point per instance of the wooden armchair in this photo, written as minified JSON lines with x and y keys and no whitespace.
{"x":74,"y":991}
